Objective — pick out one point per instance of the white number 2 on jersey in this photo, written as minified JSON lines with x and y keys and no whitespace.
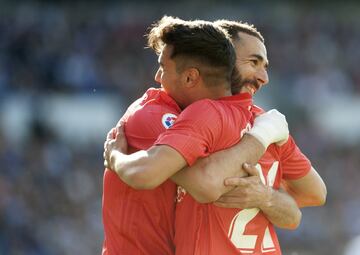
{"x":246,"y":243}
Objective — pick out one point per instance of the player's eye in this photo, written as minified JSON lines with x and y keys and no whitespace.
{"x":254,"y":62}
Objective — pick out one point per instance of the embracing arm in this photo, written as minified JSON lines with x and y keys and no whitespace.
{"x":281,"y":207}
{"x":277,"y":205}
{"x":142,"y":169}
{"x":205,"y":179}
{"x":309,"y":190}
{"x":282,"y":210}
{"x":147,"y":169}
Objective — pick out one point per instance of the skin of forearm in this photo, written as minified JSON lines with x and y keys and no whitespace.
{"x":127,"y":167}
{"x":309,"y":190}
{"x":281,"y":209}
{"x":147,"y":169}
{"x":205,"y":180}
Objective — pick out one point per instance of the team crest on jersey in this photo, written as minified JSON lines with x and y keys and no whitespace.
{"x":168,"y":119}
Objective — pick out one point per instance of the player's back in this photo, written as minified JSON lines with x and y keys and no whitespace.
{"x":212,"y":230}
{"x":228,"y":230}
{"x":141,"y":221}
{"x":206,"y":126}
{"x":219,"y":125}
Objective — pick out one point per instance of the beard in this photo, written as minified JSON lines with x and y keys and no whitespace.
{"x":238,"y":82}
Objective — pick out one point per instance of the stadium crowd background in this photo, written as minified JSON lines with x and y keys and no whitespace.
{"x":68,"y":70}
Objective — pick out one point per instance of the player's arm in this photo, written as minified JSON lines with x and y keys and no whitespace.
{"x":300,"y":179}
{"x":145,"y":169}
{"x":205,"y":180}
{"x":189,"y":138}
{"x":309,"y":190}
{"x":303,"y":184}
{"x":250,"y":192}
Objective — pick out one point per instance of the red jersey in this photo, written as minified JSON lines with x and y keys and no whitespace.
{"x":205,"y":229}
{"x":141,"y":221}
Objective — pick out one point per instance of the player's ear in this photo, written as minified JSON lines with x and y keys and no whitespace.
{"x":192,"y":77}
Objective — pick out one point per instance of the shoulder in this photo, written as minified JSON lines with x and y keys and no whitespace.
{"x":199,"y":116}
{"x":200,"y":113}
{"x":154,"y":102}
{"x":150,"y":115}
{"x":201,"y":106}
{"x":154,"y":97}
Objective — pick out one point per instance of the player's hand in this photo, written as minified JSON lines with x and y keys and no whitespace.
{"x":249,"y":192}
{"x":115,"y":142}
{"x":110,"y":135}
{"x":270,"y":127}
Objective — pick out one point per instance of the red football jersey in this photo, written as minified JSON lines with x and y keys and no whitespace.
{"x":207,"y":229}
{"x":141,"y":221}
{"x":208,"y":125}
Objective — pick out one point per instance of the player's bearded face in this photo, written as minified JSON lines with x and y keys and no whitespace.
{"x":241,"y":85}
{"x":251,"y":65}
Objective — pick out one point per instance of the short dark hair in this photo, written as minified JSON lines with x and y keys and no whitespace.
{"x":234,"y":27}
{"x":198,"y":44}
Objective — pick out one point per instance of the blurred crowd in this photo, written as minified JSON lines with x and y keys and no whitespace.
{"x":50,"y":190}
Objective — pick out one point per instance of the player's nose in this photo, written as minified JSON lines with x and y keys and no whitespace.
{"x":262,"y":77}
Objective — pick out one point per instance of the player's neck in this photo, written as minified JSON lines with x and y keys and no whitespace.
{"x":212,"y":93}
{"x":219,"y":91}
{"x":203,"y":92}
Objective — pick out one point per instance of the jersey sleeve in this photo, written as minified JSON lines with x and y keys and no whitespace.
{"x":294,"y":163}
{"x":195,"y":131}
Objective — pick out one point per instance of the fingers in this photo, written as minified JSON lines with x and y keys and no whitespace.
{"x":119,"y":131}
{"x":250,"y":169}
{"x":235,"y":198}
{"x":242,"y":182}
{"x":227,"y":205}
{"x":106,"y":143}
{"x":106,"y":151}
{"x":109,"y":143}
{"x":233,"y":202}
{"x":111,"y":134}
{"x":234,"y":181}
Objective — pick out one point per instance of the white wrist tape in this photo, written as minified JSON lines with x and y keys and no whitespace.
{"x":270,"y":127}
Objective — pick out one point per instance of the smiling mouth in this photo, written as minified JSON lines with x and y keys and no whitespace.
{"x":251,"y":88}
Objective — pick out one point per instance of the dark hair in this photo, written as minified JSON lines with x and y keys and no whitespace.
{"x":234,"y":27}
{"x":198,"y":44}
